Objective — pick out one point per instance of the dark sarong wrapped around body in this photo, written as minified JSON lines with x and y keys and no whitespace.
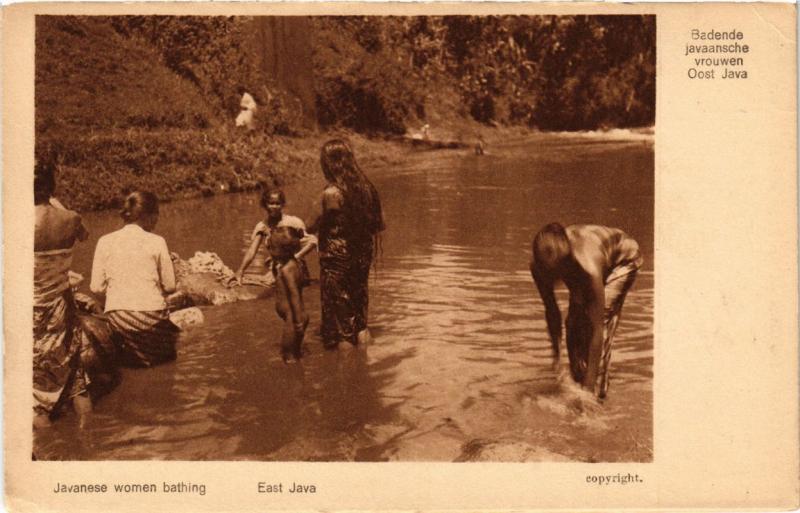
{"x":344,"y":279}
{"x":99,"y":351}
{"x":145,"y":338}
{"x":57,"y":372}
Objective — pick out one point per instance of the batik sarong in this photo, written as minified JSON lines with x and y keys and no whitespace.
{"x":344,"y":279}
{"x":57,"y":372}
{"x":145,"y":338}
{"x":579,"y":328}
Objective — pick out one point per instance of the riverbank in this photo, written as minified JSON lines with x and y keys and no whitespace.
{"x":98,"y":170}
{"x":128,"y":103}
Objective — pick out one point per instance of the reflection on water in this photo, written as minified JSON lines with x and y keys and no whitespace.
{"x":460,"y":366}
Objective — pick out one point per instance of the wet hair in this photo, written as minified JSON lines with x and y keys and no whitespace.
{"x":284,"y":242}
{"x":138,"y":204}
{"x":550,"y":246}
{"x":44,"y":179}
{"x":362,"y":202}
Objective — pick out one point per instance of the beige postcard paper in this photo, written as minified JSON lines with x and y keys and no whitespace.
{"x":344,"y":256}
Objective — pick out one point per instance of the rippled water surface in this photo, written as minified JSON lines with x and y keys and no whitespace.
{"x":460,"y":366}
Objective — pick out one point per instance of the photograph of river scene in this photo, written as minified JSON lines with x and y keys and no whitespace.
{"x":379,"y":180}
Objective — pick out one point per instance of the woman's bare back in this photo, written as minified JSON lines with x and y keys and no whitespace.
{"x":56,"y":228}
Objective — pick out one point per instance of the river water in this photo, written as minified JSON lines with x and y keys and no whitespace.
{"x":460,"y":366}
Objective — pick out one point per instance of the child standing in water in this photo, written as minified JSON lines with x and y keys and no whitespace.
{"x":284,"y":243}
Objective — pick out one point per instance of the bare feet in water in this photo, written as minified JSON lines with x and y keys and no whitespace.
{"x":364,"y":337}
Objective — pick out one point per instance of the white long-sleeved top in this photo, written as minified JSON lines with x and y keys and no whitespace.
{"x":133,"y":269}
{"x":248,"y":102}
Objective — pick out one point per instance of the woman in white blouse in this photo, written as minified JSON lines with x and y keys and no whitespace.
{"x":133,"y":270}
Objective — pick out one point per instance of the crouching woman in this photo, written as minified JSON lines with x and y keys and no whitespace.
{"x":133,"y":270}
{"x":58,"y":374}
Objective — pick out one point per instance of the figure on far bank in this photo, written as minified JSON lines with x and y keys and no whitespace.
{"x":247,"y":112}
{"x":480,"y":146}
{"x":598,"y":265}
{"x":349,"y":226}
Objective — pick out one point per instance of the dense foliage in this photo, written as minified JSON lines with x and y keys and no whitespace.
{"x":374,"y":74}
{"x":359,"y":82}
{"x":550,"y":72}
{"x":216,"y":55}
{"x":128,"y":101}
{"x":89,"y":78}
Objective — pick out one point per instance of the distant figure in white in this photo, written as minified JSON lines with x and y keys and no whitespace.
{"x":247,"y":114}
{"x":423,"y":134}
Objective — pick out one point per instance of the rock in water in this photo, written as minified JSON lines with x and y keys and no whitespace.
{"x":506,"y":451}
{"x":206,"y":289}
{"x":187,"y":317}
{"x":204,"y":280}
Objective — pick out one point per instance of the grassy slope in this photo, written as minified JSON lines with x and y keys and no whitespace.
{"x":117,"y":118}
{"x":120,"y":120}
{"x":88,"y":78}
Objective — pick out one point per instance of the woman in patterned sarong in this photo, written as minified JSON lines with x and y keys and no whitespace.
{"x":133,"y":270}
{"x":58,"y":374}
{"x":349,"y":227}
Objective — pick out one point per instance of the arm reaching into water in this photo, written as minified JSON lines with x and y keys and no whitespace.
{"x":595,"y":308}
{"x":597,"y":250}
{"x":552,"y":313}
{"x":257,"y":239}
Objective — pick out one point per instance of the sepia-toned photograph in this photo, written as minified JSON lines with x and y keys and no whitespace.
{"x":344,"y":238}
{"x":329,"y":256}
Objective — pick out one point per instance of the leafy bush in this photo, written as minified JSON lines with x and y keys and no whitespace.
{"x":361,"y":81}
{"x":596,"y":71}
{"x":553,"y":72}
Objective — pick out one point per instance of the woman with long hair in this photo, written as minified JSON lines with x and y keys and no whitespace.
{"x":58,"y":374}
{"x":349,"y":235}
{"x":133,"y":270}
